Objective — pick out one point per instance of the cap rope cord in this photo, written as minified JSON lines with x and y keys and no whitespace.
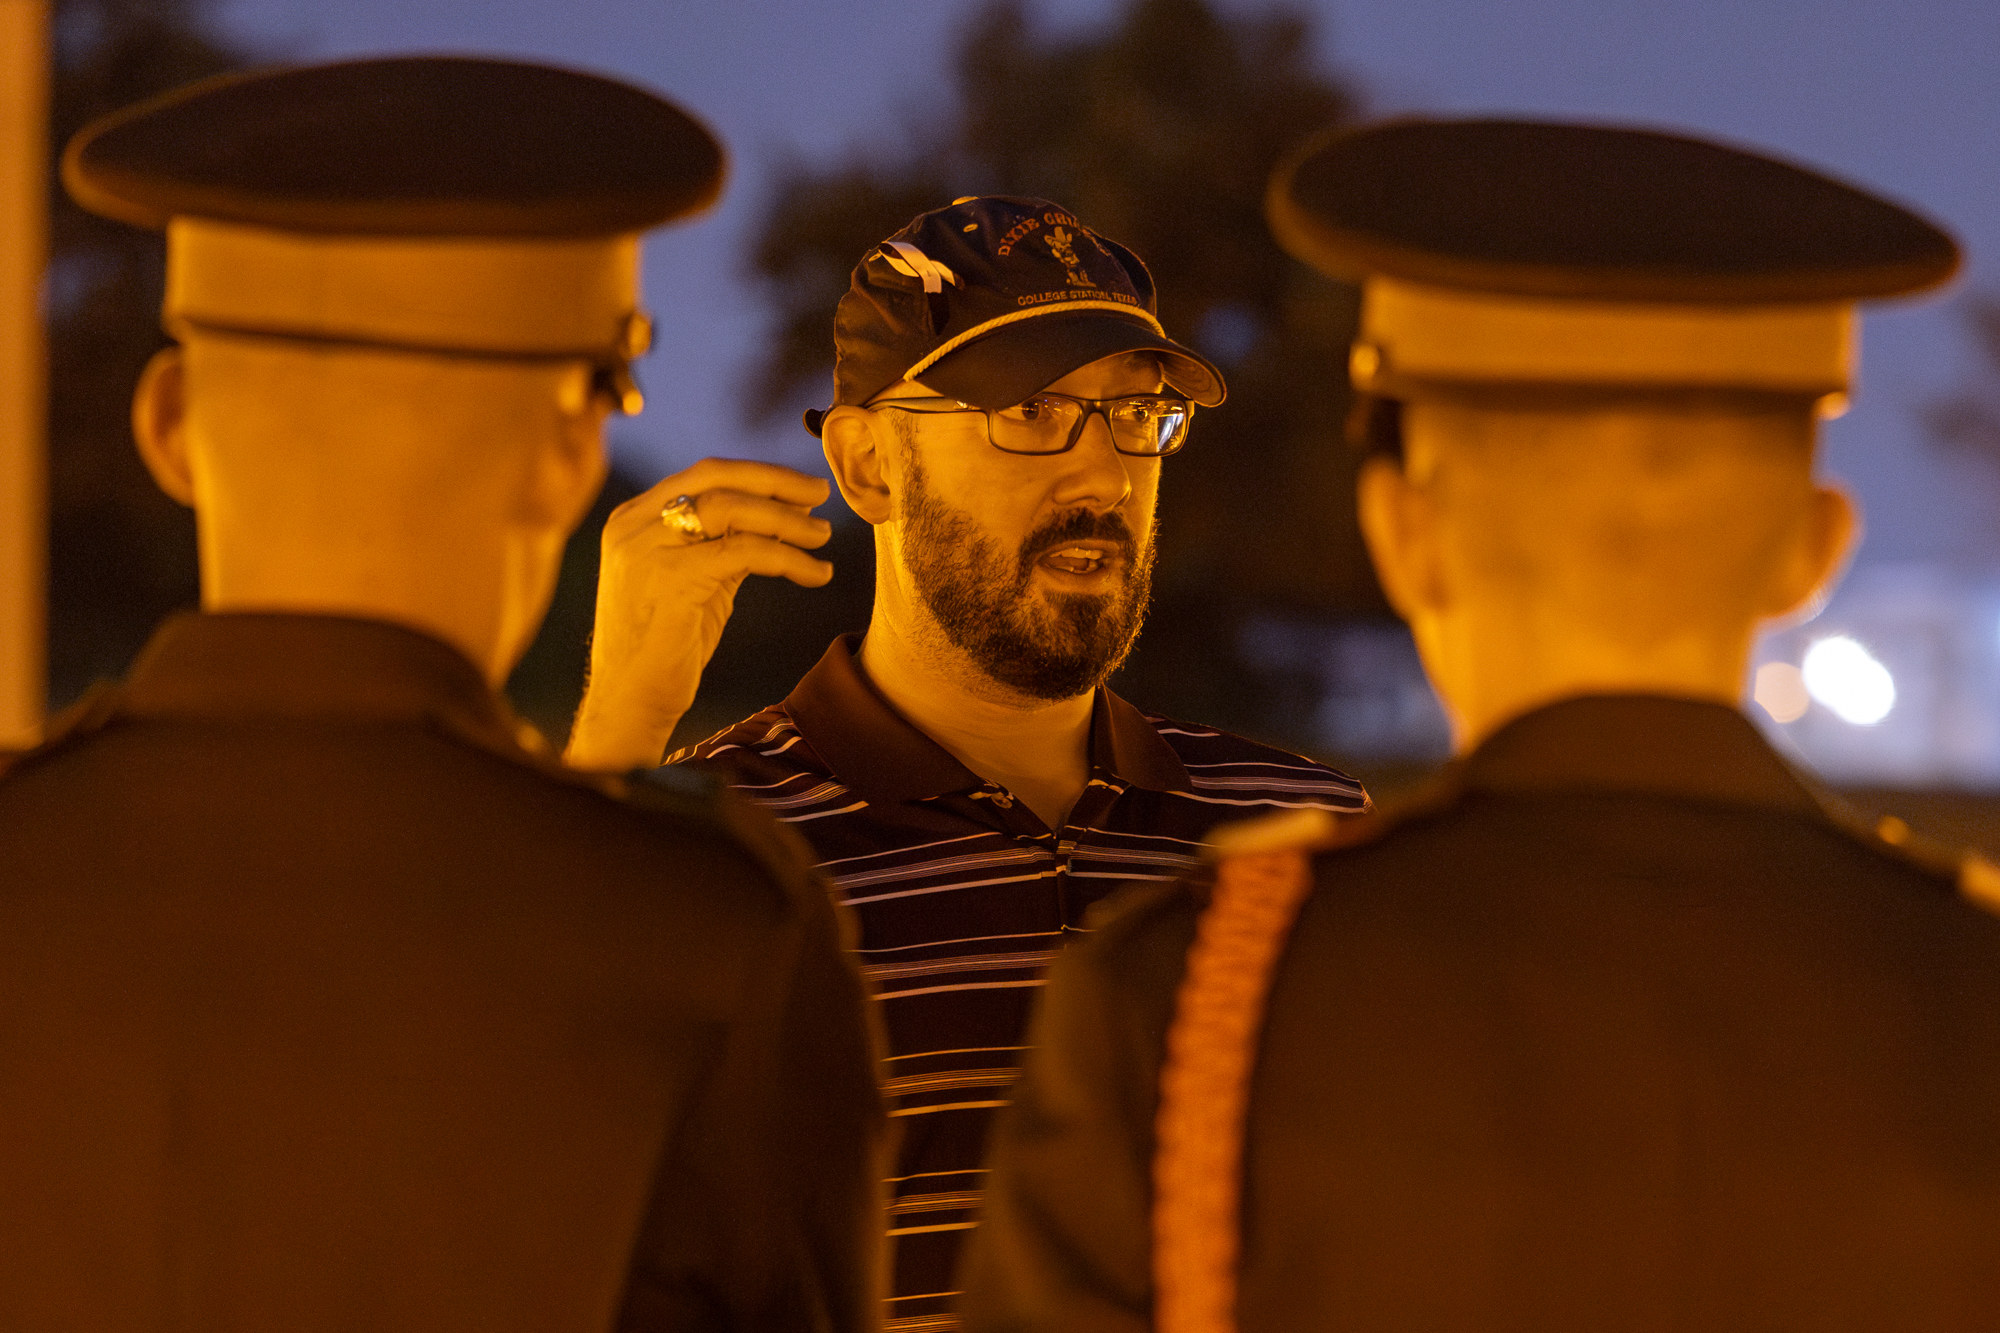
{"x":1054,"y":308}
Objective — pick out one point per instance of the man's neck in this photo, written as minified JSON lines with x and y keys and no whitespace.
{"x":389,"y":583}
{"x":1512,"y":664}
{"x":1039,"y":751}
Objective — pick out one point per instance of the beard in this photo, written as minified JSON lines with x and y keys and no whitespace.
{"x":1053,"y":647}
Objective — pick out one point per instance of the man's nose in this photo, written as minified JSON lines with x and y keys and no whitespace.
{"x":1094,"y":473}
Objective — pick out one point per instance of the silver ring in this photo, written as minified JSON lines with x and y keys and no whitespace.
{"x":682,"y":520}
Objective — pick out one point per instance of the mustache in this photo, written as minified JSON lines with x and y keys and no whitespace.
{"x":1079,"y":525}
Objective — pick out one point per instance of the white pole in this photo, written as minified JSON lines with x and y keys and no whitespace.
{"x":24,"y":96}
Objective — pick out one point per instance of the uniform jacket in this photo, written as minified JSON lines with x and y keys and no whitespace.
{"x":326,"y":1005}
{"x":1620,"y":1029}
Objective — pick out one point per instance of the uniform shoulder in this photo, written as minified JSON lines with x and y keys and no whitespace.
{"x":1217,"y":759}
{"x":1142,"y":907}
{"x":1953,"y":868}
{"x":74,"y":725}
{"x":1320,"y":835}
{"x":1141,"y":935}
{"x":1305,"y":832}
{"x":686,"y":796}
{"x":679,"y":805}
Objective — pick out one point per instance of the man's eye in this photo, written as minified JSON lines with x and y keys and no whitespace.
{"x":1034,"y":409}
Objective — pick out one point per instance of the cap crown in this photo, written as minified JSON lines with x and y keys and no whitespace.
{"x":422,"y":146}
{"x":952,"y":273}
{"x":1593,"y":212}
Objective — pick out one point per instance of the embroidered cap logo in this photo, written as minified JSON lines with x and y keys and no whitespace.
{"x":1063,"y":246}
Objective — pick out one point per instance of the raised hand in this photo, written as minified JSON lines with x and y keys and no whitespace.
{"x":666,"y":587}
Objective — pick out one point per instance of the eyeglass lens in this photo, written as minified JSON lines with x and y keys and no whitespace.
{"x":1046,"y":424}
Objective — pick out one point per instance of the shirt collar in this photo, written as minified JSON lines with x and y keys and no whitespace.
{"x":875,"y":751}
{"x":1131,"y":749}
{"x":240,"y":665}
{"x":1638,"y":743}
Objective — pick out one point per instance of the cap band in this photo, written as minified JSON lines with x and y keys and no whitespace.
{"x":951,"y":345}
{"x":614,"y":369}
{"x":505,"y":297}
{"x":1414,"y":336}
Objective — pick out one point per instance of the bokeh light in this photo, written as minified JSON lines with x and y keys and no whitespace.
{"x":1780,"y":690}
{"x":1841,"y":674}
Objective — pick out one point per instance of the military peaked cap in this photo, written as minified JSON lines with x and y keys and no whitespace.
{"x":418,"y":146}
{"x":1537,"y":209}
{"x":437,"y":206}
{"x":1500,"y":254}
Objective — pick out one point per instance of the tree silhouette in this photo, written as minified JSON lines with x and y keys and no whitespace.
{"x":1161,"y":131}
{"x":1967,"y":423}
{"x":121,"y":554}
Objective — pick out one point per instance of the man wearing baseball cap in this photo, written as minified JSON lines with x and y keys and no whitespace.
{"x":1005,"y":402}
{"x":1623,"y":1025}
{"x":328,"y":1001}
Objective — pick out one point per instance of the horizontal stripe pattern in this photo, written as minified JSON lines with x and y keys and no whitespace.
{"x":962,"y":900}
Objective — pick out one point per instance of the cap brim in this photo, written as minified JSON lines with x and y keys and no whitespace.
{"x":1022,"y":358}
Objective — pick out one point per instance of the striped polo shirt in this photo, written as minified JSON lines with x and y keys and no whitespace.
{"x":962,"y":896}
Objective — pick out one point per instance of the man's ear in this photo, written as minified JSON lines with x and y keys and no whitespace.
{"x":1825,"y":537}
{"x":159,"y":423}
{"x":1396,"y":524}
{"x":851,"y":438}
{"x":568,"y":470}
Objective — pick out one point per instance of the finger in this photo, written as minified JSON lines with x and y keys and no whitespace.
{"x":746,"y":553}
{"x":782,"y":484}
{"x":752,"y":478}
{"x":724,"y":512}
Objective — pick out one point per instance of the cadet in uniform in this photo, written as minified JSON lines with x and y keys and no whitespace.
{"x":1622,"y":1026}
{"x":1005,"y":405}
{"x":328,"y":1001}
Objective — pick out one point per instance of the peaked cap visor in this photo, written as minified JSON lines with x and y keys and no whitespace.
{"x":1020,"y":359}
{"x":419,"y":146}
{"x":1569,"y":211}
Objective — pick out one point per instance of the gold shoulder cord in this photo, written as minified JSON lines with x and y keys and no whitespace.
{"x":1205,"y":1087}
{"x":1979,"y":880}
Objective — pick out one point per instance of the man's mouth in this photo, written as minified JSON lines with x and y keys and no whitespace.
{"x":1080,"y":557}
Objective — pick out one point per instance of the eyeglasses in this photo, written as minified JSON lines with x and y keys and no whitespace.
{"x":1145,"y":425}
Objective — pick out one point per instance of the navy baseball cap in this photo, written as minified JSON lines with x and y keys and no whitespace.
{"x":994,"y":298}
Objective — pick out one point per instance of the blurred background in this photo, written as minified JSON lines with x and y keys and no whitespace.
{"x":1156,"y":121}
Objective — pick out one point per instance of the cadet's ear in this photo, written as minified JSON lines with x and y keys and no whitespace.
{"x":851,"y":437}
{"x":159,"y":423}
{"x":1395,"y":517}
{"x":1826,"y":534}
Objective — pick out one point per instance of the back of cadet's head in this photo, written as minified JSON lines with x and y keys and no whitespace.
{"x":1604,"y":350}
{"x":394,"y":270}
{"x":1641,"y":522}
{"x":330,"y":426}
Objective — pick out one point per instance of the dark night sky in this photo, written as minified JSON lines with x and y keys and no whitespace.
{"x":1901,"y":94}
